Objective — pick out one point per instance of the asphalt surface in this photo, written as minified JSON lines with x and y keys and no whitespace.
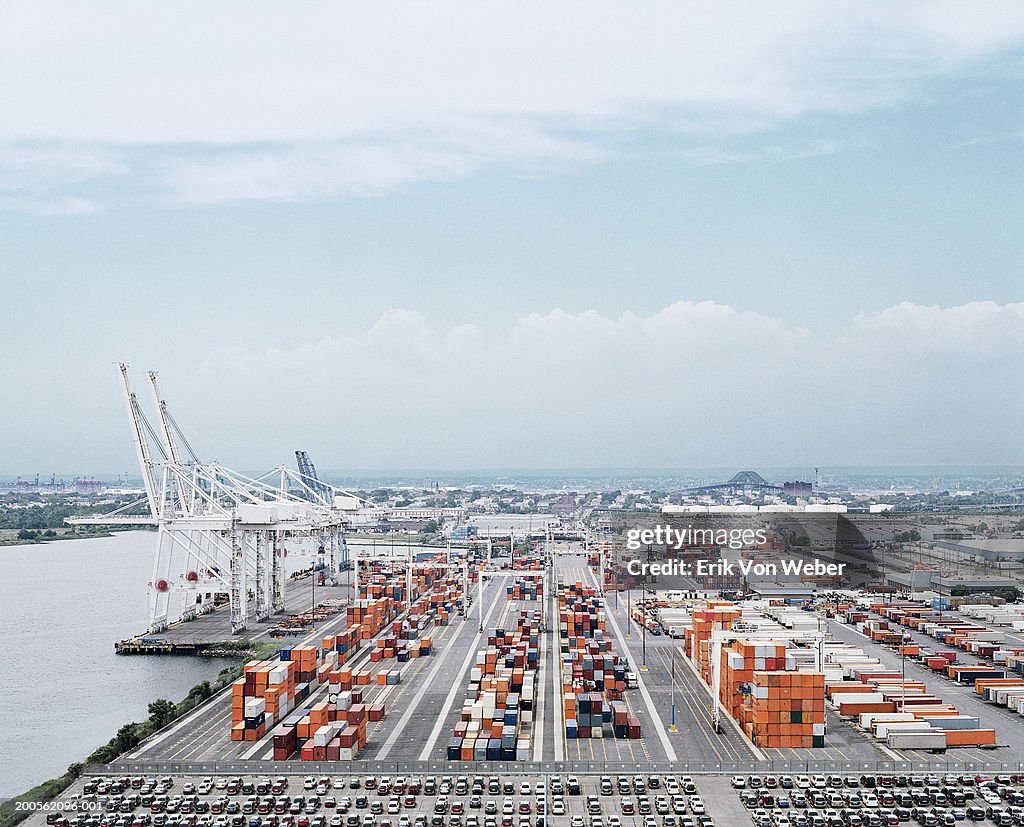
{"x":696,"y":740}
{"x":421,"y":711}
{"x":216,"y":625}
{"x":204,"y":734}
{"x":1009,"y":726}
{"x":714,"y":796}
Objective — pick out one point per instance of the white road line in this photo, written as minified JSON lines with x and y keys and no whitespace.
{"x":659,"y":725}
{"x":456,"y":684}
{"x":732,"y":721}
{"x":411,"y":709}
{"x":538,"y":711}
{"x":890,"y":753}
{"x":556,"y":680}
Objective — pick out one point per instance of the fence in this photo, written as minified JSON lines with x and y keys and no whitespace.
{"x":273,"y":768}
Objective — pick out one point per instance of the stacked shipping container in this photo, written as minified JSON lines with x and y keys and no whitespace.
{"x":593,"y":675}
{"x":494,"y":724}
{"x":785,"y":709}
{"x":526,"y":587}
{"x":762,"y":685}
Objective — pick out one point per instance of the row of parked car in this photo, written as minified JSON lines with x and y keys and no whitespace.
{"x":352,"y":801}
{"x":806,"y":782}
{"x":882,"y":801}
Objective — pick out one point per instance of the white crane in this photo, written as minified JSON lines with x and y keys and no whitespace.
{"x":218,"y":531}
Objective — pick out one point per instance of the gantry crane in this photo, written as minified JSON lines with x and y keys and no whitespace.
{"x":219,"y":527}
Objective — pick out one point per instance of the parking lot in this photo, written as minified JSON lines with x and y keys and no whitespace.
{"x":470,"y":800}
{"x":880,"y":800}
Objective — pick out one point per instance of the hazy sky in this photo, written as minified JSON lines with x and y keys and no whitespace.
{"x":515,"y":234}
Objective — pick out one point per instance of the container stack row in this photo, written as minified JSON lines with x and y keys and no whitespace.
{"x":269,"y":690}
{"x":371,"y":615}
{"x":740,"y":660}
{"x":496,"y":719}
{"x":900,"y":712}
{"x":593,"y":676}
{"x":785,"y":710}
{"x":526,"y":587}
{"x":769,"y":687}
{"x":335,"y":729}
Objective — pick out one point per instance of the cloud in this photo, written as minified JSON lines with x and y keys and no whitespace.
{"x":975,"y":329}
{"x":204,"y":103}
{"x":47,"y":179}
{"x":694,"y":383}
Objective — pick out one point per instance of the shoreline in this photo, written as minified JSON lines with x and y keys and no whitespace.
{"x":8,"y":542}
{"x":127,"y":738}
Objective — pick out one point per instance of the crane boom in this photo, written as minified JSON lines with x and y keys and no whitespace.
{"x":139,"y":438}
{"x":307,"y":472}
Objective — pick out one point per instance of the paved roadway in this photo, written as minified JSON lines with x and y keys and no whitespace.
{"x":203,"y":734}
{"x":420,"y":712}
{"x":1009,"y":726}
{"x":696,"y":740}
{"x":216,"y":625}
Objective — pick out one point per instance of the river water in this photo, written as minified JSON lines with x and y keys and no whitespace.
{"x":63,"y":691}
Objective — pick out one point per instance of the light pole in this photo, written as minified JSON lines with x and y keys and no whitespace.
{"x":629,"y":613}
{"x":408,"y":575}
{"x":643,"y":634}
{"x":312,"y":598}
{"x":480,"y":574}
{"x":672,"y":663}
{"x":903,"y":686}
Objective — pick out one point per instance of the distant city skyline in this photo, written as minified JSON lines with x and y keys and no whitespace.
{"x":934,"y":478}
{"x":716,"y":234}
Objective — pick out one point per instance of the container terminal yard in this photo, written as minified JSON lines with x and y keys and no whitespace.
{"x":866,"y":647}
{"x":459,"y":687}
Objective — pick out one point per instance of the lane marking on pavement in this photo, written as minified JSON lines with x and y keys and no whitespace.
{"x":425,"y":685}
{"x":556,"y":680}
{"x":538,"y":712}
{"x":732,"y":721}
{"x":457,"y":682}
{"x":655,"y":718}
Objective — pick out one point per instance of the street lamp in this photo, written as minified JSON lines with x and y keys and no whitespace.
{"x":643,"y":634}
{"x":312,"y":583}
{"x":629,"y":612}
{"x":672,"y":663}
{"x":903,"y":687}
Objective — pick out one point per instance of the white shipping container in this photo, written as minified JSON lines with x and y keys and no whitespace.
{"x":254,"y":707}
{"x":917,"y":740}
{"x":840,"y":698}
{"x":869,"y":719}
{"x":882,"y":730}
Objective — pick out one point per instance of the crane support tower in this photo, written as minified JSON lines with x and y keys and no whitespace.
{"x":221,"y":533}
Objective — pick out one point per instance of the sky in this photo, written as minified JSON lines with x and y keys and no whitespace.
{"x":506,"y":235}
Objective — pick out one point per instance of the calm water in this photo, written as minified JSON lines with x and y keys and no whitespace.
{"x":64,"y":692}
